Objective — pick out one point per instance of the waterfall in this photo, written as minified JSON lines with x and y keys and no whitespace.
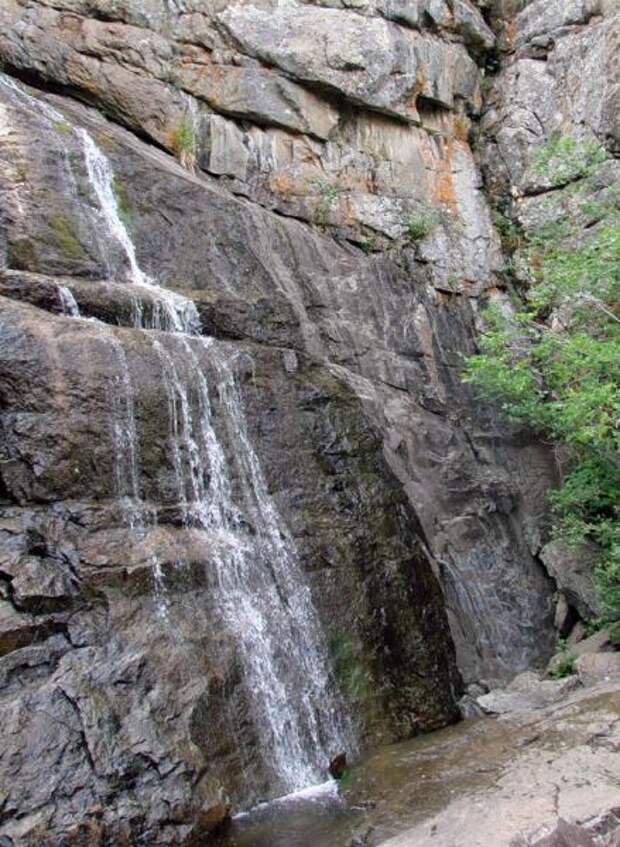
{"x":260,"y":589}
{"x":67,"y":302}
{"x":262,"y":594}
{"x":170,"y":312}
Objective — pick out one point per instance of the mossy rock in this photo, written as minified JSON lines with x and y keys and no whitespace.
{"x":65,"y":238}
{"x":22,"y":255}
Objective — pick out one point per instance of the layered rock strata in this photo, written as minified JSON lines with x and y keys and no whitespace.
{"x":331,"y":230}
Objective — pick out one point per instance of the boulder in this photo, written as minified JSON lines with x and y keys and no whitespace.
{"x":572,"y":570}
{"x":564,"y":617}
{"x":529,"y":693}
{"x":368,"y":60}
{"x":599,"y":642}
{"x":338,"y":766}
{"x":598,"y":667}
{"x":577,"y":634}
{"x":209,"y":821}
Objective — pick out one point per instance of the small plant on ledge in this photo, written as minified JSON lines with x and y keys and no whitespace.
{"x":564,"y":663}
{"x":328,"y":196}
{"x":420,"y":224}
{"x":183,"y":142}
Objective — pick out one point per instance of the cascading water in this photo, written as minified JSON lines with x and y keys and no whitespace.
{"x":261,"y":592}
{"x":170,"y":312}
{"x":67,"y":302}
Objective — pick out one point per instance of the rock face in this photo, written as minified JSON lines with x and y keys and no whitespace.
{"x":558,"y":80}
{"x":333,"y":237}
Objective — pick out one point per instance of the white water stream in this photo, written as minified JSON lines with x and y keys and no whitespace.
{"x":260,"y":589}
{"x":262,"y":592}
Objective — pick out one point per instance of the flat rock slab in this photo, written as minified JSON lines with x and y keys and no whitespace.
{"x":526,"y":693}
{"x":564,"y":765}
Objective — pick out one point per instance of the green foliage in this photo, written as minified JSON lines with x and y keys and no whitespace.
{"x":555,"y":366}
{"x":184,"y":143}
{"x":184,"y":137}
{"x":368,"y":245}
{"x":509,"y":233}
{"x":345,"y":783}
{"x":565,"y":666}
{"x":328,"y":194}
{"x":614,"y":633}
{"x":64,"y":127}
{"x":21,"y":254}
{"x":562,"y":159}
{"x":420,"y":224}
{"x":65,"y":237}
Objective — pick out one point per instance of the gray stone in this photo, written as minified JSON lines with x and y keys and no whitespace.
{"x":367,"y":60}
{"x":564,"y":617}
{"x":528,"y":692}
{"x":546,"y":17}
{"x":470,"y":708}
{"x":572,"y":570}
{"x":319,"y":130}
{"x":227,"y":152}
{"x":597,"y":643}
{"x":597,"y":667}
{"x":577,"y":634}
{"x":563,"y":834}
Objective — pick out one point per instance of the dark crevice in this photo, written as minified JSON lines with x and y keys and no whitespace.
{"x":76,"y":709}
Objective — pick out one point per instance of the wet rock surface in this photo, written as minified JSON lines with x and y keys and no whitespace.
{"x":491,"y":782}
{"x":332,"y":231}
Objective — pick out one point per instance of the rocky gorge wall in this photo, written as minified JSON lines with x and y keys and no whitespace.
{"x":330,"y":226}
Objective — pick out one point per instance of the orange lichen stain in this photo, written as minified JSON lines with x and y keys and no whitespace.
{"x":443,"y":296}
{"x":419,"y":85}
{"x":443,"y":184}
{"x":310,"y":157}
{"x":443,"y":190}
{"x":70,"y":23}
{"x":510,"y":34}
{"x":81,"y":77}
{"x":347,"y":213}
{"x":461,"y":127}
{"x":355,"y":182}
{"x":282,"y":183}
{"x":194,"y":54}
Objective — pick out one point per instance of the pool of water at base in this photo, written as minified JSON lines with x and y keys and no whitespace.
{"x":388,"y":791}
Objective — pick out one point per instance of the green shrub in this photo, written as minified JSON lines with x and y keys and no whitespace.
{"x":122,"y":200}
{"x":565,"y":666}
{"x":65,"y":238}
{"x":563,"y":159}
{"x":328,"y":194}
{"x":349,"y":668}
{"x":510,"y":234}
{"x":64,"y":127}
{"x":555,"y":366}
{"x":184,"y":143}
{"x":420,"y":224}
